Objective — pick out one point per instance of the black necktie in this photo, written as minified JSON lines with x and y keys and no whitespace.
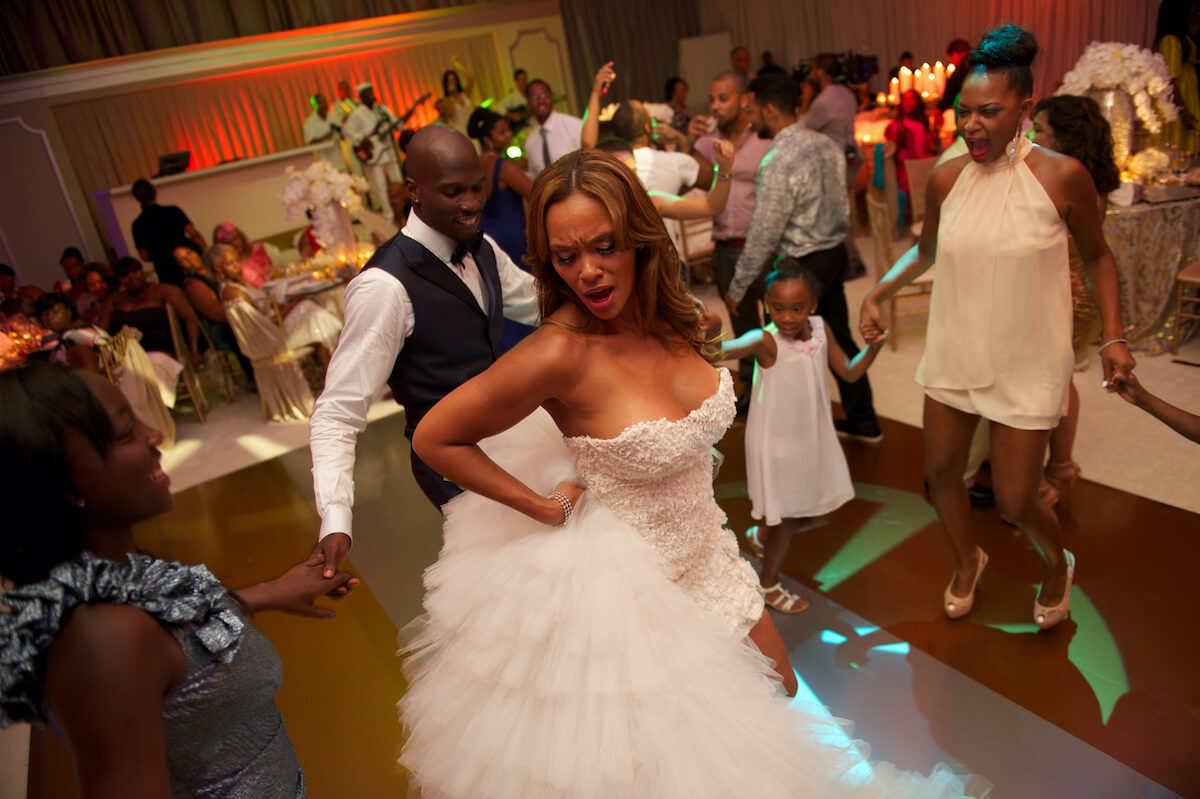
{"x":545,"y":149}
{"x":462,"y":248}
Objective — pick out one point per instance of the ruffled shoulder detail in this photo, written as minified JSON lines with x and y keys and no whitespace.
{"x":174,"y":594}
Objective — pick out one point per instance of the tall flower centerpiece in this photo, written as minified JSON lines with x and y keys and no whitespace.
{"x":332,"y":196}
{"x":1124,"y":79}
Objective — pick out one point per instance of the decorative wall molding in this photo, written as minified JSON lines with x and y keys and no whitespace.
{"x":58,"y":177}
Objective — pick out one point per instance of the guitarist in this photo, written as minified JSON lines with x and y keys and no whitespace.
{"x":370,"y":128}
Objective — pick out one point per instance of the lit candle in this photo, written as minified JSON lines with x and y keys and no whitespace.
{"x":939,"y":77}
{"x":906,"y":79}
{"x":894,"y":91}
{"x":881,"y":99}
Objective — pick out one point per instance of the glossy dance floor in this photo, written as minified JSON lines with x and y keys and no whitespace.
{"x":1106,"y":705}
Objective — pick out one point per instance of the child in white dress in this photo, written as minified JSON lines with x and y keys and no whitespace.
{"x":795,"y":469}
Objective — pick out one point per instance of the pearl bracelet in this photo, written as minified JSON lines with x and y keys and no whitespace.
{"x":567,"y":508}
{"x":1110,"y":343}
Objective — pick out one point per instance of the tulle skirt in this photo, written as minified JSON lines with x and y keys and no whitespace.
{"x":561,"y":662}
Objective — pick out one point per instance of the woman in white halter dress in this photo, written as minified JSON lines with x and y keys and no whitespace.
{"x":613,"y":655}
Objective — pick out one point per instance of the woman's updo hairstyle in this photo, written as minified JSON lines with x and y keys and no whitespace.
{"x":1009,"y":49}
{"x":481,"y":123}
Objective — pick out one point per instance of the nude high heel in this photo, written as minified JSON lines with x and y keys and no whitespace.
{"x":1046,"y":617}
{"x":958,"y":606}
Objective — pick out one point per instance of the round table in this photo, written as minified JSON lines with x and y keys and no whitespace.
{"x":1151,"y":242}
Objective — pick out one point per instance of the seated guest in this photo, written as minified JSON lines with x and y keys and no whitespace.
{"x":152,"y":672}
{"x":143,"y":305}
{"x":75,"y":342}
{"x":10,"y":300}
{"x":256,"y":259}
{"x":204,"y":293}
{"x":306,"y":322}
{"x":147,"y":379}
{"x":98,"y":281}
{"x":768,"y":65}
{"x":72,"y":265}
{"x":906,"y":62}
{"x":912,"y":135}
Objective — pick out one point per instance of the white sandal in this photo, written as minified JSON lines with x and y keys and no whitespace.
{"x":783,"y":600}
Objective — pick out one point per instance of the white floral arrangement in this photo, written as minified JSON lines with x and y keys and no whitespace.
{"x":321,"y":184}
{"x":1140,"y":72}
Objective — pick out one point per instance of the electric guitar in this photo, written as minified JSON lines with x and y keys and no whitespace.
{"x":365,"y":150}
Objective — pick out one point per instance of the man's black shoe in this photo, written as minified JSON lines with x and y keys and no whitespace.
{"x":866,"y":432}
{"x":981,"y":496}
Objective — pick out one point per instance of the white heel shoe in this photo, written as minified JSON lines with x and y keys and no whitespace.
{"x":958,"y":606}
{"x":1046,"y":617}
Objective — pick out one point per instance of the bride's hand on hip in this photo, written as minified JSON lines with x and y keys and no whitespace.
{"x":556,"y":514}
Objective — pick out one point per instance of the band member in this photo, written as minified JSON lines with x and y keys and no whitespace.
{"x":371,"y":129}
{"x":322,"y":128}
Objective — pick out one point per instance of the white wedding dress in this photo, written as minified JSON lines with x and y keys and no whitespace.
{"x":608,"y":658}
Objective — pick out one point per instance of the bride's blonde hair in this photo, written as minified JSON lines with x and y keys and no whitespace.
{"x":668,"y":312}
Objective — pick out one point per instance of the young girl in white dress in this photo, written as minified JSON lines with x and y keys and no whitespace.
{"x":795,"y":469}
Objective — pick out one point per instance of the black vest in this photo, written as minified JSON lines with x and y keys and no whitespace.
{"x":453,"y":339}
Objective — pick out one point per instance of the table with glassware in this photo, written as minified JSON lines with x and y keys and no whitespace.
{"x":1151,"y":241}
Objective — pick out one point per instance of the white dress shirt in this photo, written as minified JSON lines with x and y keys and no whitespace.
{"x":362,"y":121}
{"x":379,"y":317}
{"x":561,"y":132}
{"x":331,"y":149}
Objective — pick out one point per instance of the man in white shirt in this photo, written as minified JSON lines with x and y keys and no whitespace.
{"x":322,"y":128}
{"x":371,"y":129}
{"x":423,"y":317}
{"x":516,"y":98}
{"x":554,"y":134}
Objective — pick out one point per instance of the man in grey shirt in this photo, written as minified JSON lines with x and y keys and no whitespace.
{"x":802,"y":210}
{"x":832,"y":112}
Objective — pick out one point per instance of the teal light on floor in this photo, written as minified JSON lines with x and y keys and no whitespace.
{"x":1092,"y":650}
{"x":901,"y":514}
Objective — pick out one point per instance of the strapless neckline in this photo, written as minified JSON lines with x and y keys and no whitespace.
{"x":724,"y":381}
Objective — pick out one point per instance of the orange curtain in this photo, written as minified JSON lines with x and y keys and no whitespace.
{"x":115,"y":139}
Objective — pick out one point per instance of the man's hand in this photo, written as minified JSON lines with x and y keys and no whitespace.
{"x":330,"y":550}
{"x":697,"y":128}
{"x":731,"y":304}
{"x":296,"y":589}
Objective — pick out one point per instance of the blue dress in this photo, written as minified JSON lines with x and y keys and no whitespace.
{"x":503,"y":218}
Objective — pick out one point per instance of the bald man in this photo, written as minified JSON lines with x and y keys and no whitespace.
{"x":423,"y":317}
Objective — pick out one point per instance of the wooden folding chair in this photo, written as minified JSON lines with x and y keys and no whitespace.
{"x":1188,"y":278}
{"x":189,"y":382}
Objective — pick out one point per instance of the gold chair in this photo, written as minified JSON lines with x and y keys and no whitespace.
{"x":1188,"y":278}
{"x":188,"y":380}
{"x":112,"y":354}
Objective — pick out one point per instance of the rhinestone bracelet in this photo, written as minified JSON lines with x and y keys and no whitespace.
{"x":567,"y":508}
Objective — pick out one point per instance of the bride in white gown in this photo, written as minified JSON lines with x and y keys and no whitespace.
{"x":620,"y":654}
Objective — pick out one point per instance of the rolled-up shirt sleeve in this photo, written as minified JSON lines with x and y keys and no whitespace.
{"x":773,"y":205}
{"x":519,"y":289}
{"x":379,"y":317}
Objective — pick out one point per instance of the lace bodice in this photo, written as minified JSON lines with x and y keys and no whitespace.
{"x":657,"y":476}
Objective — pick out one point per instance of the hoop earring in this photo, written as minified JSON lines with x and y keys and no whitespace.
{"x":1012,"y":151}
